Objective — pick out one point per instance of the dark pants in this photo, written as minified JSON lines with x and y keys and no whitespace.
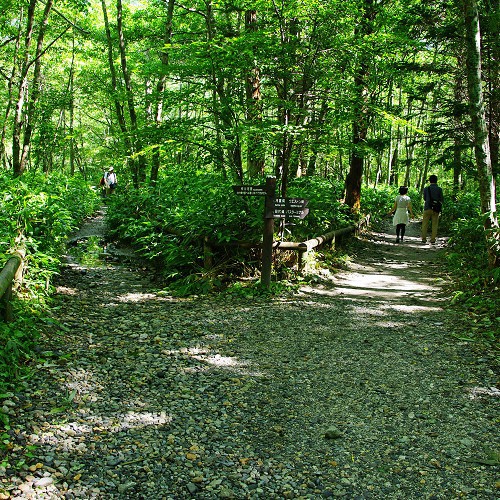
{"x":400,"y":230}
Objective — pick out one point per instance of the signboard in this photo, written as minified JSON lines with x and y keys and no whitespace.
{"x":285,"y":208}
{"x":250,"y":190}
{"x":275,"y":208}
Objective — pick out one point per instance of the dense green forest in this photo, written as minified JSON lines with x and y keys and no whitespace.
{"x":342,"y":102}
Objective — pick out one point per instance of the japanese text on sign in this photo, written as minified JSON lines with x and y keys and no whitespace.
{"x":250,"y":190}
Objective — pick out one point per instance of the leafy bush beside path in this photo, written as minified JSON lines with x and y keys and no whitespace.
{"x":169,"y":223}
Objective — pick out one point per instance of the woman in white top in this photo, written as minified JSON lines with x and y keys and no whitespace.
{"x":110,"y":180}
{"x":402,"y":205}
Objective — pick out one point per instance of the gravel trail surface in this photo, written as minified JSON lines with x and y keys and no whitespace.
{"x":358,"y":387}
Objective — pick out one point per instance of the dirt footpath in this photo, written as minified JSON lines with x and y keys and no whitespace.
{"x":359,"y":386}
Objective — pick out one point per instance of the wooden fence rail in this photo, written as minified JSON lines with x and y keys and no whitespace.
{"x":301,"y":248}
{"x":10,"y":273}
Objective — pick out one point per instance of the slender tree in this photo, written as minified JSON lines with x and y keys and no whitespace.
{"x":138,"y":162}
{"x":114,"y":80}
{"x":487,"y":186}
{"x":255,"y":148}
{"x":162,"y":81}
{"x":22,"y":90}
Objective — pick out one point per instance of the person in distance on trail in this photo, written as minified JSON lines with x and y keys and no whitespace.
{"x":432,"y":193}
{"x":102,"y":184}
{"x":110,"y":181}
{"x":402,"y":205}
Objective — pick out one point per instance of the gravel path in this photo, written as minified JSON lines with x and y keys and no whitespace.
{"x":357,"y":387}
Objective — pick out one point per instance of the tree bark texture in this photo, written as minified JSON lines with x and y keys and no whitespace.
{"x":22,"y":90}
{"x":114,"y":80}
{"x":160,"y":86}
{"x":255,"y":147}
{"x":138,"y":163}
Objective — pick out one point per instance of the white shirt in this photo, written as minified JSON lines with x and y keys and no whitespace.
{"x":110,"y":178}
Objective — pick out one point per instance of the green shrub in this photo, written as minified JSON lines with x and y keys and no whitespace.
{"x":326,"y":210}
{"x":169,"y":223}
{"x":476,"y":284}
{"x":17,"y":340}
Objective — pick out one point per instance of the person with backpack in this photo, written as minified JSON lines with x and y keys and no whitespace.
{"x":402,"y":205}
{"x":433,"y":204}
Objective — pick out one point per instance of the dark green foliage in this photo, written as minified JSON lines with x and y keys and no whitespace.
{"x":379,"y":202}
{"x":465,"y":206}
{"x":17,"y":341}
{"x":38,"y":213}
{"x":477,"y":286}
{"x":170,"y":223}
{"x":326,"y":211}
{"x":43,"y":211}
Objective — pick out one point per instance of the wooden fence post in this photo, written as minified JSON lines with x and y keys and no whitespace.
{"x":8,"y":274}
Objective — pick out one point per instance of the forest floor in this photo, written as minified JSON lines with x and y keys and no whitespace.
{"x":361,"y":385}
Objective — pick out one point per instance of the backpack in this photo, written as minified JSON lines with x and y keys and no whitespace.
{"x":101,"y":182}
{"x":436,"y":205}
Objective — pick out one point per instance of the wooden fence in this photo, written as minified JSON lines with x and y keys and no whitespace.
{"x":302,"y":248}
{"x":11,"y":273}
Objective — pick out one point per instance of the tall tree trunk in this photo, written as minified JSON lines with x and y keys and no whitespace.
{"x":139,"y":164}
{"x":360,"y":111}
{"x":493,"y":69}
{"x":255,"y":147}
{"x":10,"y":87}
{"x":160,"y":87}
{"x":219,"y":159}
{"x":289,"y":41}
{"x":22,"y":90}
{"x":120,"y":117}
{"x":71,"y":94}
{"x":457,"y":135}
{"x":35,"y":92}
{"x":317,"y":123}
{"x":487,"y":187}
{"x":422,"y":180}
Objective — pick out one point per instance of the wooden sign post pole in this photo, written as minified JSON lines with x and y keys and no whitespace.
{"x":268,"y":236}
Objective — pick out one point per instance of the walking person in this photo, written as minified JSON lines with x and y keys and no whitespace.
{"x":110,"y":181}
{"x":402,"y":205}
{"x":102,"y":184}
{"x":433,"y":201}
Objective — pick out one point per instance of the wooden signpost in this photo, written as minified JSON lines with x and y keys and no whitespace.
{"x":286,"y":208}
{"x":275,"y":208}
